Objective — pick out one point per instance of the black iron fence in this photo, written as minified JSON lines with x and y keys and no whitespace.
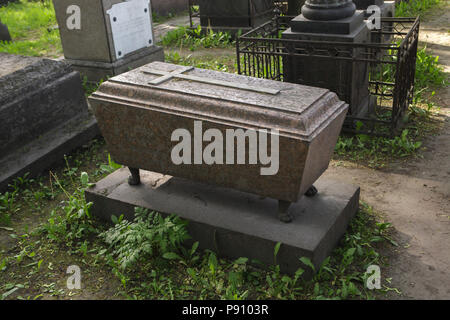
{"x":389,"y":58}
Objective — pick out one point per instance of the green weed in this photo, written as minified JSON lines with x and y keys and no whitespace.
{"x":31,"y":27}
{"x":185,"y":37}
{"x":429,"y":73}
{"x":221,"y":63}
{"x":414,"y":8}
{"x":147,"y":236}
{"x":90,"y":87}
{"x":72,"y":222}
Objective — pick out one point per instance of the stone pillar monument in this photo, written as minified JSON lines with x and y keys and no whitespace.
{"x":104,"y":38}
{"x":330,"y":21}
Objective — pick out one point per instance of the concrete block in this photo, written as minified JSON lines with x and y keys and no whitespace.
{"x":236,"y":224}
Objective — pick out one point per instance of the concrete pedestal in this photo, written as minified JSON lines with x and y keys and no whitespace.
{"x":346,"y":78}
{"x":97,"y":70}
{"x":236,"y":224}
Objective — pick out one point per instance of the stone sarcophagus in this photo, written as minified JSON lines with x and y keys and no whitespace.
{"x":260,"y":136}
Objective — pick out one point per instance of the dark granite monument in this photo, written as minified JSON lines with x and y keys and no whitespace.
{"x":103,"y":38}
{"x":43,"y":115}
{"x":332,"y":21}
{"x":294,"y":7}
{"x":4,"y":32}
{"x":234,"y":15}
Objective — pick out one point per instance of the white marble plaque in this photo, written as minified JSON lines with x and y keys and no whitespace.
{"x":131,"y":26}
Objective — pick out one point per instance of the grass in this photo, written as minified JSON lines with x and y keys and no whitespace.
{"x":189,"y":273}
{"x":184,"y":37}
{"x":414,"y":8}
{"x":30,"y":25}
{"x":222,"y":62}
{"x":144,"y":259}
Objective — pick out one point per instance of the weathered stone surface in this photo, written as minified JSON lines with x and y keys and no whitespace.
{"x":233,"y":223}
{"x":137,"y":120}
{"x":43,"y":114}
{"x":91,"y":50}
{"x":4,"y":32}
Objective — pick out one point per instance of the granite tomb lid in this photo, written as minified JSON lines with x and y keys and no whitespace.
{"x":295,"y":110}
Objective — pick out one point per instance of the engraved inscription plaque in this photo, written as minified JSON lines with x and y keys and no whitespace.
{"x":131,"y":26}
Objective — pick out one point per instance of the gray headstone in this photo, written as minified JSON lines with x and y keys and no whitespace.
{"x":43,"y":114}
{"x":104,"y":38}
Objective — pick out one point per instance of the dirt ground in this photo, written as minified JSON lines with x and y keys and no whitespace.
{"x":415,"y":195}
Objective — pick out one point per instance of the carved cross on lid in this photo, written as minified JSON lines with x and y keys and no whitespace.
{"x":178,"y":74}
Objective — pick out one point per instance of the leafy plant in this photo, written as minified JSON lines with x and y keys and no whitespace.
{"x":403,"y":146}
{"x":414,"y":8}
{"x":362,"y":146}
{"x":222,"y":63}
{"x":75,"y":223}
{"x":429,"y":72}
{"x":194,"y":38}
{"x":147,"y":236}
{"x":90,"y":87}
{"x":110,"y":167}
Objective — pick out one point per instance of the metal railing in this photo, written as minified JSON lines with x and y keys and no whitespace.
{"x":389,"y":58}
